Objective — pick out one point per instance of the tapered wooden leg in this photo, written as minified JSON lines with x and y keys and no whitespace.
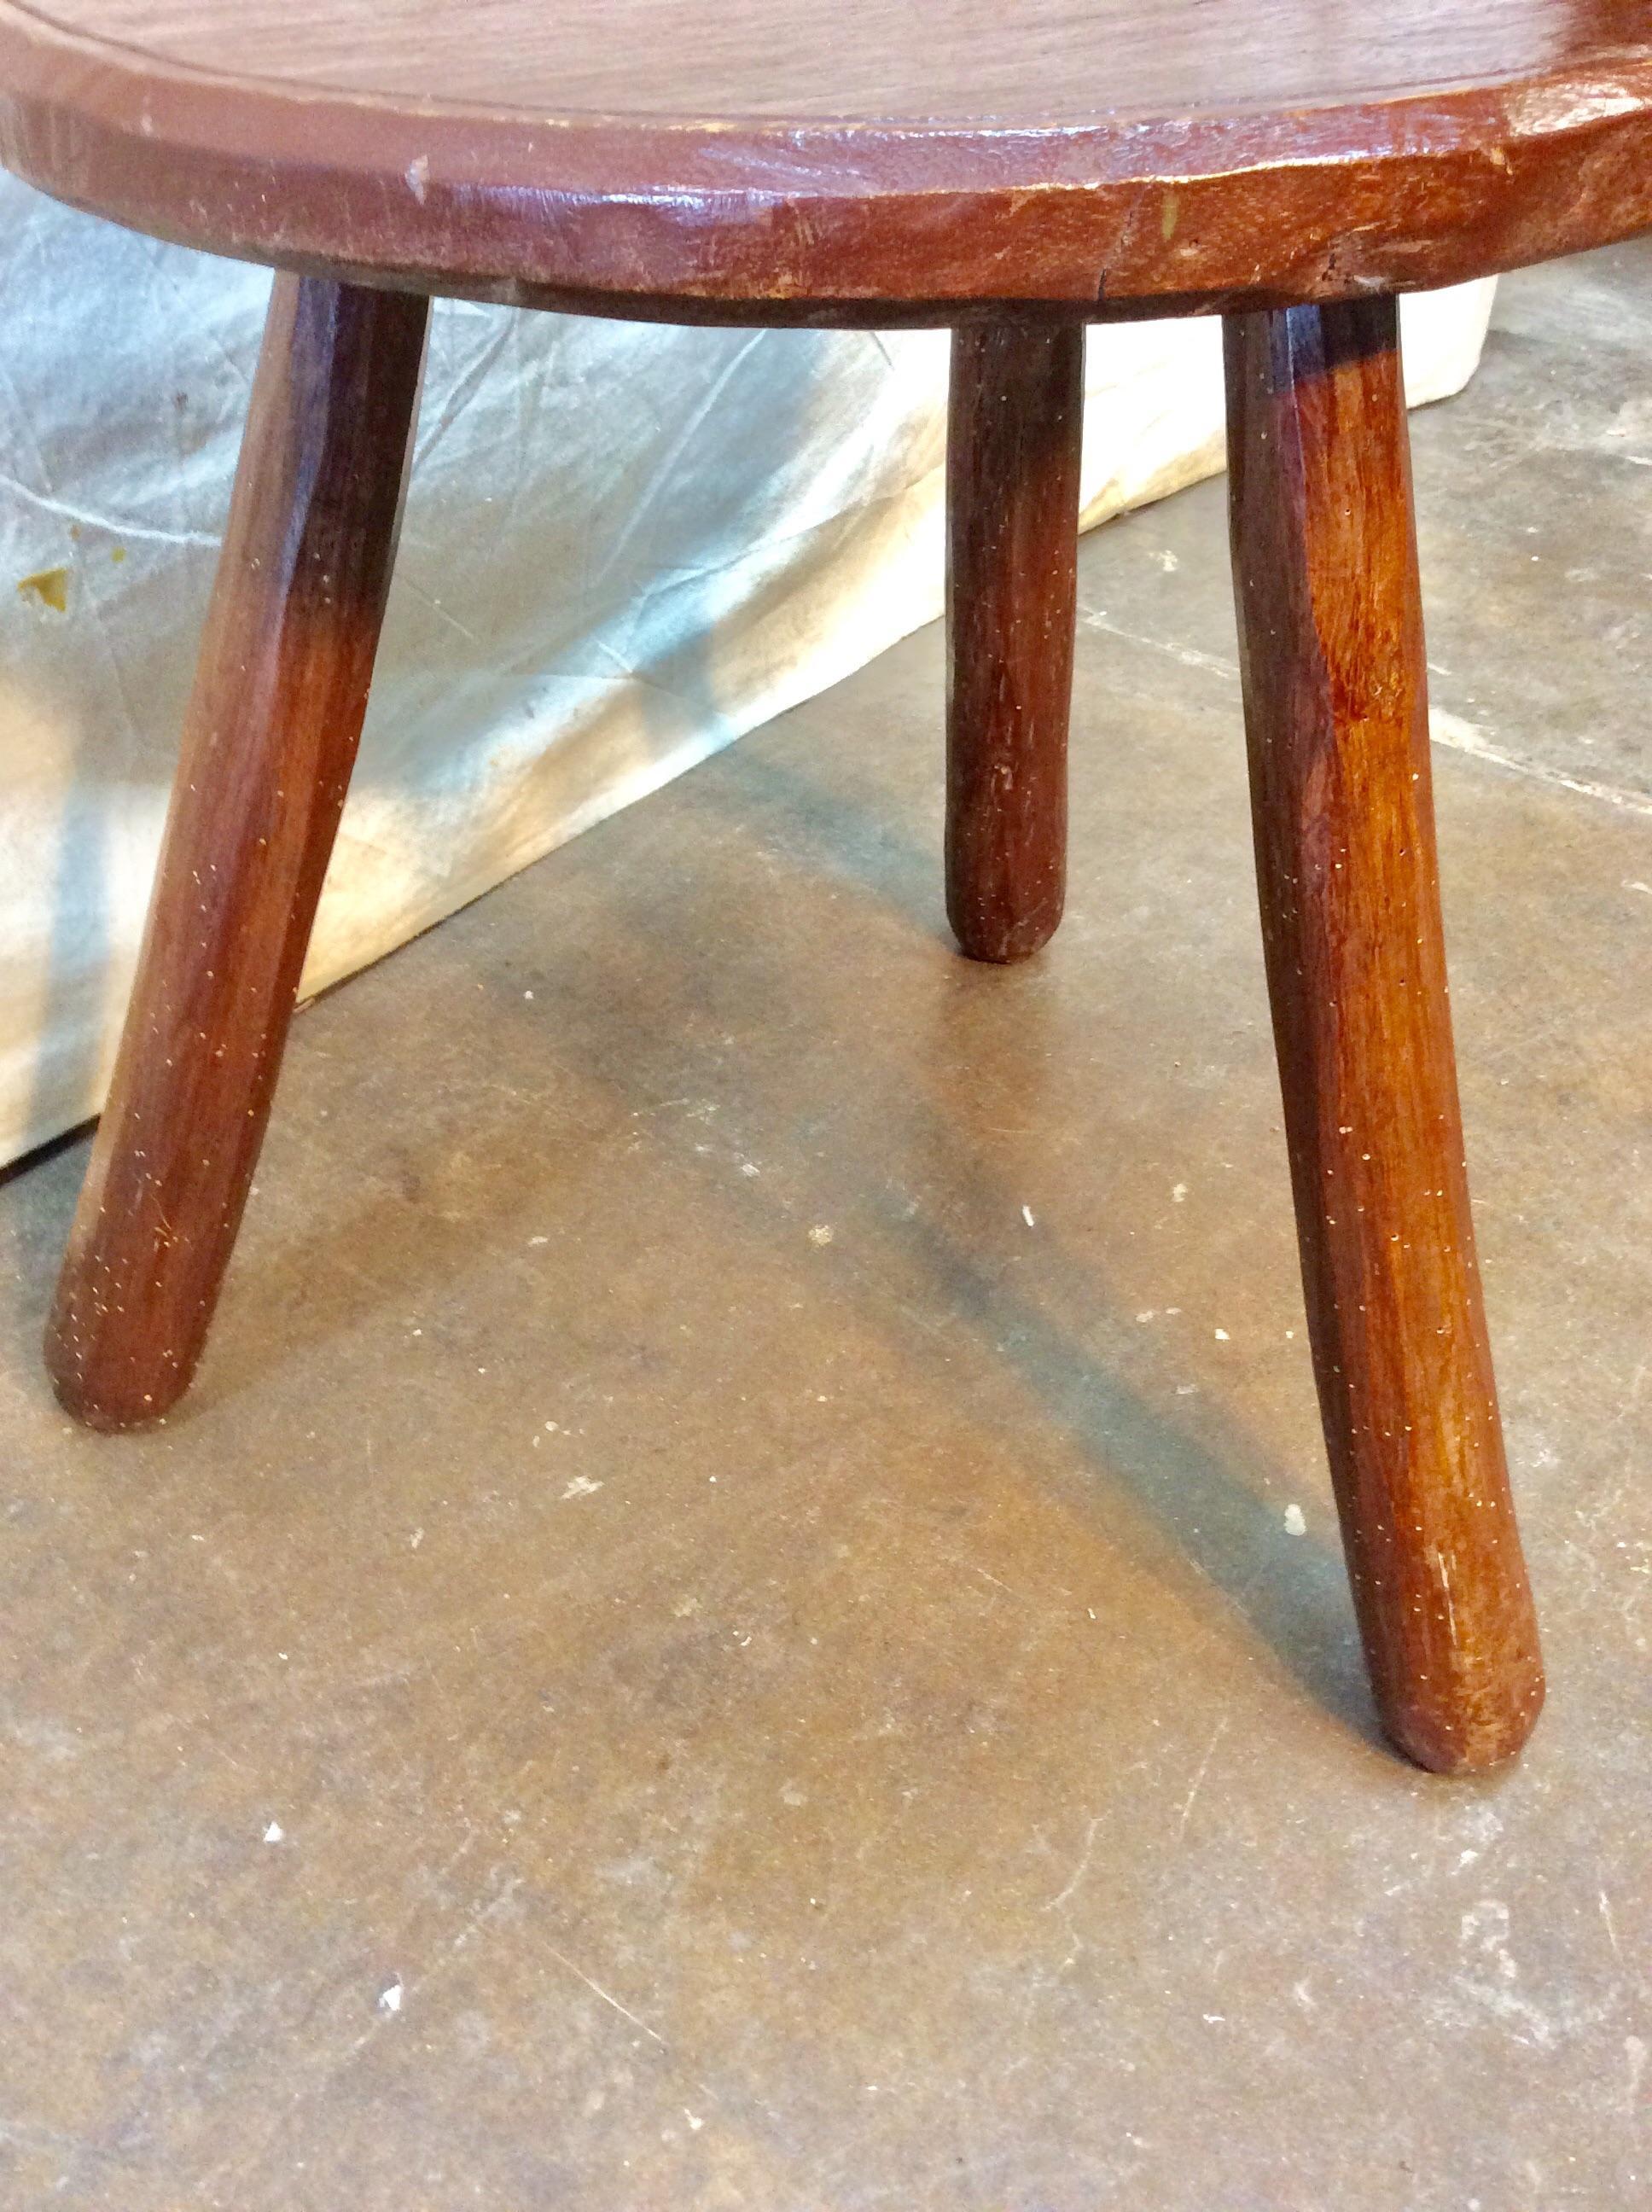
{"x":1336,"y":712}
{"x":1016,"y":422}
{"x":280,"y":689}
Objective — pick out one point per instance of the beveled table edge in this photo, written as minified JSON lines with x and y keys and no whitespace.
{"x":872,"y":223}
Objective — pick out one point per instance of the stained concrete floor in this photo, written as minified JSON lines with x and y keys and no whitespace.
{"x":721,"y":1630}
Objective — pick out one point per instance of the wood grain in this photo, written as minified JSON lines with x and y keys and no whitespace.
{"x":1010,"y":62}
{"x":874,"y":163}
{"x":271,"y":737}
{"x":1336,"y":714}
{"x":1014,"y":440}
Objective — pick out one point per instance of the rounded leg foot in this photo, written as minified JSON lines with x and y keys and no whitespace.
{"x":1013,"y":441}
{"x":280,"y":691}
{"x":1336,"y":713}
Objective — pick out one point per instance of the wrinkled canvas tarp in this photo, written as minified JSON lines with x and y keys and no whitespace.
{"x":623,"y":547}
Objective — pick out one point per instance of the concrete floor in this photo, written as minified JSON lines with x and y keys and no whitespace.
{"x":721,"y":1629}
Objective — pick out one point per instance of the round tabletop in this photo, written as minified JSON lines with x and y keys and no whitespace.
{"x":876,"y":161}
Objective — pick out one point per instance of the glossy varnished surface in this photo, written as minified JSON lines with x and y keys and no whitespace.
{"x":802,"y":161}
{"x":951,"y":61}
{"x":1336,"y":715}
{"x":1015,"y":437}
{"x":280,"y":691}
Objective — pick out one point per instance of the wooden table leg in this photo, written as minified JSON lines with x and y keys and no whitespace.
{"x":280,"y":691}
{"x":1336,"y":713}
{"x":1016,"y":423}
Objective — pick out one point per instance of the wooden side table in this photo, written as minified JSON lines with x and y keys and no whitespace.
{"x":1014,"y":169}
